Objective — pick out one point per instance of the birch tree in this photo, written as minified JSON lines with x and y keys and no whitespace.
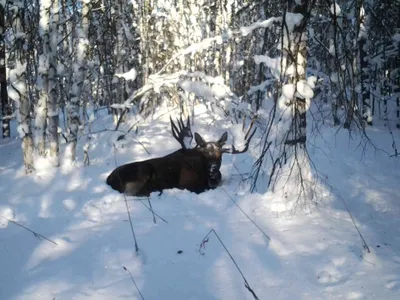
{"x":18,"y":87}
{"x":53,"y":109}
{"x":5,"y":104}
{"x":334,"y":93}
{"x":78,"y":57}
{"x":364,"y":70}
{"x":79,"y":73}
{"x":296,"y":51}
{"x":42,"y":83}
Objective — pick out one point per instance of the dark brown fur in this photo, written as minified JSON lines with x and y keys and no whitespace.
{"x":194,"y":169}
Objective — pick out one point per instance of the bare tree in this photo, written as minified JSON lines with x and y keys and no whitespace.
{"x":53,"y":109}
{"x":42,"y":82}
{"x":296,"y":52}
{"x":364,"y":70}
{"x":19,"y":80}
{"x":5,"y":103}
{"x":80,"y":68}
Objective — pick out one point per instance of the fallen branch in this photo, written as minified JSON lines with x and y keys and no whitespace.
{"x":127,"y":207}
{"x":152,"y":211}
{"x":133,"y":280}
{"x":202,"y":247}
{"x":38,"y":235}
{"x":343,"y":200}
{"x":237,"y":205}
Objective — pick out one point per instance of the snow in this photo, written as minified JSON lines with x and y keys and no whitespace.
{"x":238,"y":136}
{"x":293,"y":19}
{"x":203,"y":90}
{"x":227,"y":34}
{"x":6,"y":214}
{"x":119,"y":106}
{"x":130,"y":75}
{"x":260,"y":24}
{"x":396,"y":37}
{"x":273,"y":63}
{"x":304,"y":90}
{"x":22,"y":129}
{"x":335,"y":9}
{"x":288,"y":91}
{"x":311,"y":81}
{"x":69,"y":204}
{"x":316,"y":252}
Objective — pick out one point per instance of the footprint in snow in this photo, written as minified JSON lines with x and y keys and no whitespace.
{"x":392,"y":284}
{"x":69,"y":204}
{"x":92,"y":213}
{"x":328,"y":276}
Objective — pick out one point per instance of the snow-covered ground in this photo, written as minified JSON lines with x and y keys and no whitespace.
{"x":316,"y":254}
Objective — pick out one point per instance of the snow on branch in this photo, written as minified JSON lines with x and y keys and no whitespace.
{"x":292,"y":20}
{"x":224,"y":37}
{"x":209,"y":88}
{"x":260,"y":87}
{"x":202,"y":45}
{"x":275,"y":64}
{"x":156,"y":82}
{"x":129,"y":76}
{"x":259,"y":24}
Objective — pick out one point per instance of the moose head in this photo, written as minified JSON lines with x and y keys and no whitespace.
{"x":212,"y":151}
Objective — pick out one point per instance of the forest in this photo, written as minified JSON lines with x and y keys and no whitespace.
{"x":310,"y":201}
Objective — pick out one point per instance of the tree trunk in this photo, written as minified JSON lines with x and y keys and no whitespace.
{"x":298,"y":52}
{"x":78,"y":79}
{"x":5,"y":103}
{"x":53,"y":109}
{"x":18,"y":78}
{"x":334,"y":74}
{"x":42,"y":83}
{"x":363,"y":63}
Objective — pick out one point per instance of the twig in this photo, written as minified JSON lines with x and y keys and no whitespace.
{"x":151,"y":209}
{"x":130,"y":222}
{"x":354,"y":222}
{"x":202,"y":246}
{"x":158,"y":216}
{"x":38,"y":235}
{"x":121,"y":116}
{"x":129,"y":130}
{"x":237,"y":169}
{"x":127,"y":207}
{"x":237,"y":205}
{"x":133,"y":280}
{"x":141,"y":144}
{"x":99,"y":131}
{"x":126,"y":203}
{"x":365,"y":245}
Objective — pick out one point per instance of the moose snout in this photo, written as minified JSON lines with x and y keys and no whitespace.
{"x":214,"y":175}
{"x":215,"y":179}
{"x":213,"y":168}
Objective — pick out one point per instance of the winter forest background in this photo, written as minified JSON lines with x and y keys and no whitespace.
{"x":60,"y":59}
{"x":302,"y":70}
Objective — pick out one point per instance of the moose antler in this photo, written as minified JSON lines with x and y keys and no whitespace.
{"x":183,"y":134}
{"x":248,"y":136}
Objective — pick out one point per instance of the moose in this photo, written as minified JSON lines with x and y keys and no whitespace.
{"x":195,"y":169}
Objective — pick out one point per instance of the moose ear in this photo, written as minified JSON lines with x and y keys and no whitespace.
{"x":223,"y":139}
{"x":199,"y":140}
